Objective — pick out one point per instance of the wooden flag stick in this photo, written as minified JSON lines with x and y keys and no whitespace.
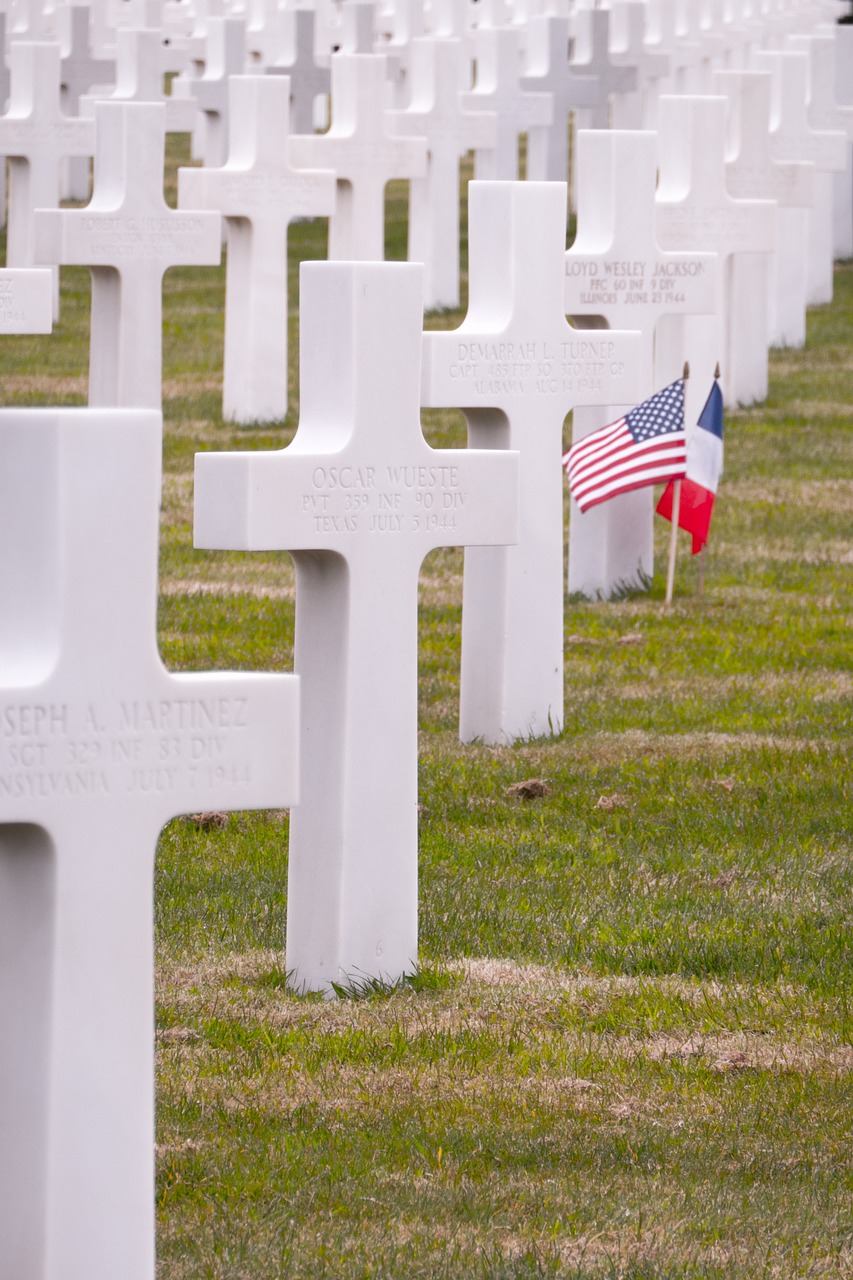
{"x":673,"y":541}
{"x":700,"y":586}
{"x":673,"y":533}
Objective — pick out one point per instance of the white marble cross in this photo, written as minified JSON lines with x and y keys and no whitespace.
{"x":225,"y":58}
{"x":80,"y":72}
{"x":100,"y":746}
{"x":354,"y":32}
{"x":26,"y":300}
{"x":635,"y":109}
{"x":264,"y":30}
{"x":844,"y":183}
{"x":617,"y":270}
{"x":260,"y":192}
{"x":549,"y":70}
{"x":499,"y":89}
{"x":517,"y":367}
{"x":592,"y":55}
{"x":4,"y":99}
{"x":363,"y":152}
{"x":439,"y":78}
{"x":793,"y":139}
{"x":696,"y":211}
{"x":128,"y":237}
{"x":139,"y":78}
{"x":37,"y":137}
{"x":762,"y":287}
{"x":407,"y":23}
{"x":358,"y":498}
{"x":825,"y":115}
{"x":309,"y":79}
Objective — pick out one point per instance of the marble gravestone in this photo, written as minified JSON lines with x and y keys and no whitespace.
{"x":695,"y":210}
{"x":128,"y":237}
{"x":516,"y":367}
{"x":4,"y":102}
{"x":550,"y":70}
{"x":310,"y":80}
{"x":752,"y":174}
{"x":592,"y":54}
{"x":617,"y":271}
{"x":499,"y":89}
{"x":260,"y":192}
{"x":37,"y":137}
{"x":825,"y":116}
{"x":354,"y":27}
{"x":100,"y":747}
{"x":26,"y":300}
{"x":139,"y":78}
{"x":224,"y":58}
{"x":636,"y":108}
{"x":358,"y":498}
{"x":436,"y":112}
{"x":843,"y":183}
{"x":264,"y":23}
{"x":80,"y":71}
{"x":793,"y":140}
{"x":364,"y":154}
{"x":406,"y":21}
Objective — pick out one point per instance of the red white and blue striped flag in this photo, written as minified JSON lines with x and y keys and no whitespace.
{"x":704,"y":468}
{"x":647,"y":446}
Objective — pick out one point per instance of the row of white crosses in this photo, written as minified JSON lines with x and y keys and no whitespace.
{"x":101,"y":745}
{"x":129,"y":238}
{"x":442,"y":120}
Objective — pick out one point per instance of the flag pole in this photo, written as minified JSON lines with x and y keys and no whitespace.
{"x":700,"y":586}
{"x":673,"y":533}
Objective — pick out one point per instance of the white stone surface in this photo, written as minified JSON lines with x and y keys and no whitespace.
{"x":593,"y":56}
{"x":37,"y":137}
{"x":4,"y":101}
{"x":224,"y":58}
{"x":762,"y":288}
{"x":364,"y":154}
{"x":128,"y":237}
{"x":101,"y":746}
{"x":407,"y":23}
{"x":499,"y":89}
{"x":794,"y":139}
{"x":439,"y":77}
{"x":695,"y":210}
{"x":635,"y":109}
{"x":26,"y":300}
{"x":80,"y":71}
{"x":310,"y":80}
{"x":843,"y":187}
{"x":355,"y":27}
{"x":616,"y":270}
{"x":517,"y":368}
{"x":359,"y":498}
{"x":827,"y":113}
{"x":264,"y":30}
{"x":549,"y":70}
{"x":139,"y":78}
{"x":260,"y":192}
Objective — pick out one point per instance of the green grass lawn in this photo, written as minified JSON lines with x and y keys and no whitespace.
{"x":628,"y":1050}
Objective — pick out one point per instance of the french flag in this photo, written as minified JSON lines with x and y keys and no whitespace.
{"x":704,"y":468}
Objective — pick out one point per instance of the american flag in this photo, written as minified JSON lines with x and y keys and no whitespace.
{"x":647,"y":446}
